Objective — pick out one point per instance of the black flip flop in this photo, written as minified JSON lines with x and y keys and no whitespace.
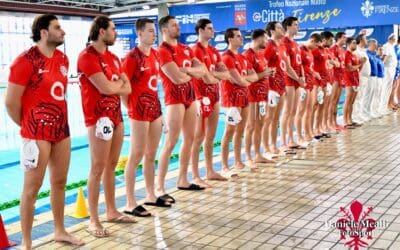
{"x":349,"y":126}
{"x":326,"y":135}
{"x":167,"y":197}
{"x":192,"y":187}
{"x":138,"y":211}
{"x":159,"y":203}
{"x":318,"y":137}
{"x":355,"y":124}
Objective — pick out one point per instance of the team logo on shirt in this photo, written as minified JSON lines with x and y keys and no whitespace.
{"x":186,"y":51}
{"x":57,"y":91}
{"x":212,"y":68}
{"x":186,"y":63}
{"x":114,"y":77}
{"x":283,"y":65}
{"x":152,"y":83}
{"x":63,"y":70}
{"x":298,"y":59}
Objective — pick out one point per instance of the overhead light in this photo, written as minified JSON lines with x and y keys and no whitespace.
{"x":146,"y":7}
{"x":191,"y":1}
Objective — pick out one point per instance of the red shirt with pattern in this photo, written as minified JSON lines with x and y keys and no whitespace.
{"x":339,"y":53}
{"x":95,"y":104}
{"x":182,"y":55}
{"x":43,"y":104}
{"x":351,"y":78}
{"x":234,"y":95}
{"x":307,"y":59}
{"x":258,"y":91}
{"x":294,"y":54}
{"x":210,"y":57}
{"x":275,"y":55}
{"x":142,"y":70}
{"x":321,"y":61}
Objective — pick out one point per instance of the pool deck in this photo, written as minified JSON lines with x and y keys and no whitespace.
{"x":284,"y":206}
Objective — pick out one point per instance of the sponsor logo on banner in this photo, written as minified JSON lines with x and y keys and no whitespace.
{"x":350,"y":32}
{"x":221,"y":46}
{"x":300,"y":35}
{"x":219,"y":38}
{"x":191,"y":38}
{"x":256,"y":16}
{"x":271,"y":15}
{"x":192,"y":18}
{"x":367,"y":32}
{"x":122,"y":32}
{"x":240,"y":18}
{"x":367,"y":8}
{"x":356,"y":225}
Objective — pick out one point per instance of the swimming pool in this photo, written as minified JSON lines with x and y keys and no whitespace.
{"x":11,"y":177}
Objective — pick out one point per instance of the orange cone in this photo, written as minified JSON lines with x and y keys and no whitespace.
{"x":4,"y":242}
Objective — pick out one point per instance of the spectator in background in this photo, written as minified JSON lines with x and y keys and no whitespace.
{"x":360,"y":113}
{"x":390,"y":60}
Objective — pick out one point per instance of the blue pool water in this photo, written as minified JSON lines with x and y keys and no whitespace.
{"x":11,"y":177}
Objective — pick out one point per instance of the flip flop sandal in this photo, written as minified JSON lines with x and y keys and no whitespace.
{"x":123,"y":219}
{"x":138,"y":211}
{"x":168,"y":198}
{"x":98,"y":232}
{"x":192,"y":187}
{"x":160,"y":202}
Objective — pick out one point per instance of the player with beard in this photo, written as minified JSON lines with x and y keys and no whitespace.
{"x":207,"y":95}
{"x":178,"y":66}
{"x":102,"y":82}
{"x":35,"y":101}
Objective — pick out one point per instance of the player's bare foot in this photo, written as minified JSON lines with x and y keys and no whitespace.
{"x":214,"y":176}
{"x":261,"y":159}
{"x":65,"y":237}
{"x":201,"y":182}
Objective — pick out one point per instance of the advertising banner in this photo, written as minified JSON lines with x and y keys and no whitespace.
{"x":248,"y":15}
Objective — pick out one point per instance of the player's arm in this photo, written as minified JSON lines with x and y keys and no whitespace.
{"x":251,"y":75}
{"x":292,"y":74}
{"x":13,"y":101}
{"x":198,"y":69}
{"x":236,"y":78}
{"x":110,"y":87}
{"x":174,"y":73}
{"x":221,"y":72}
